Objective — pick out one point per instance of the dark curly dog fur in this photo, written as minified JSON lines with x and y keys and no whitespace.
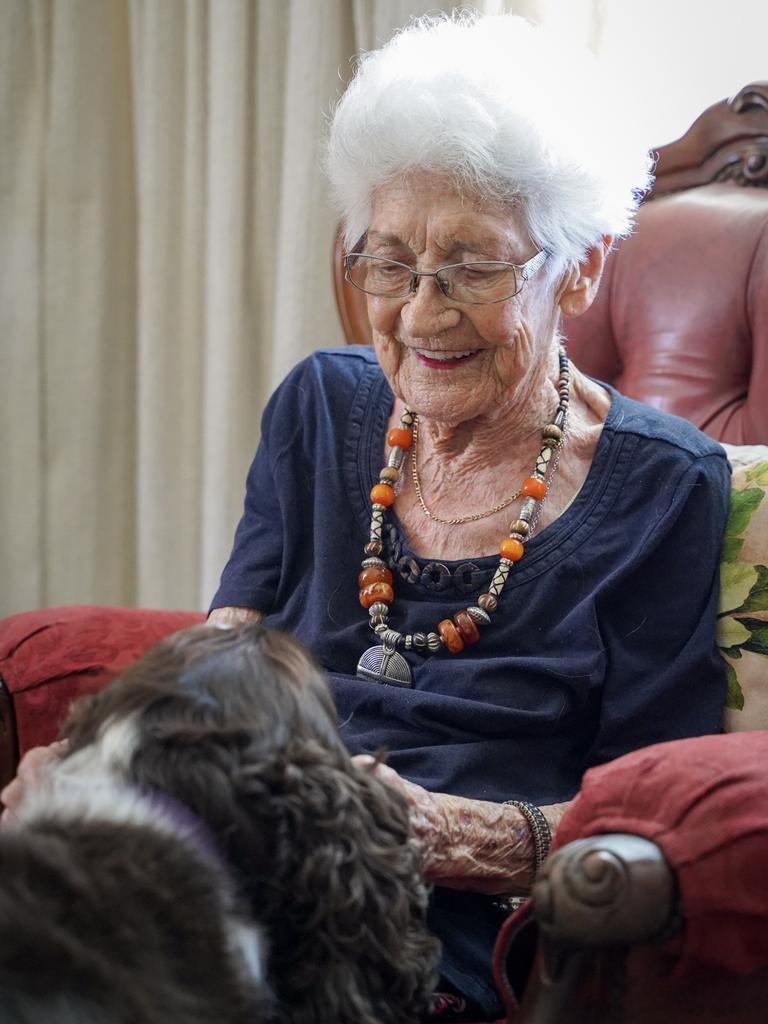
{"x":113,"y":911}
{"x":238,"y":725}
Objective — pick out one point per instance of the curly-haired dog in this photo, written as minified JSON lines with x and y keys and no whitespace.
{"x":115,"y":910}
{"x":238,"y":725}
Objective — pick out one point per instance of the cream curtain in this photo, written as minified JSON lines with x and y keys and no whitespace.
{"x":165,"y":243}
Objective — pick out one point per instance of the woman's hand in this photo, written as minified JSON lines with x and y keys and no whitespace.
{"x":430,"y":815}
{"x":468,"y":844}
{"x":30,"y":771}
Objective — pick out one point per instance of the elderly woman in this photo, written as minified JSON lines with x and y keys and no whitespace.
{"x":508,"y":569}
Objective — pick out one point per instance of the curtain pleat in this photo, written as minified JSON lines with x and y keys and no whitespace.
{"x":23,"y":96}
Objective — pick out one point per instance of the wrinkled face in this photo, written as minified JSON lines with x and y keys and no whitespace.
{"x":426,"y":223}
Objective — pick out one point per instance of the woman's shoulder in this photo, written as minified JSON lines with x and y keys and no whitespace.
{"x":658,"y":431}
{"x":327,"y":379}
{"x":334,"y":370}
{"x":320,"y":396}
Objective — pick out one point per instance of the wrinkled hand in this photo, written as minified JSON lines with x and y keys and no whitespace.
{"x":468,"y":844}
{"x":30,"y":772}
{"x":465,"y":844}
{"x":431,"y":816}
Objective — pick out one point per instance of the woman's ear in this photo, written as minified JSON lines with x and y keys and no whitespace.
{"x":578,"y":287}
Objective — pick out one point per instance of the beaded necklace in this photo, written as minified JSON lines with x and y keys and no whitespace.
{"x":383,"y":663}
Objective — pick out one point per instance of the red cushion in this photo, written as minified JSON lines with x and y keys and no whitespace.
{"x":704,"y":802}
{"x":50,"y":656}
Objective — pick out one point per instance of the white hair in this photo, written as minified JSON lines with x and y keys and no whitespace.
{"x":512,"y":112}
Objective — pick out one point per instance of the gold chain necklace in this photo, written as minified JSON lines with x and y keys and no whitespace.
{"x":431,"y":515}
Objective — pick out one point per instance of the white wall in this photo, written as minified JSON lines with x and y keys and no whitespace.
{"x":676,"y":57}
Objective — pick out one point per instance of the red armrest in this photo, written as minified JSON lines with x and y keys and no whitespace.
{"x":52,"y":655}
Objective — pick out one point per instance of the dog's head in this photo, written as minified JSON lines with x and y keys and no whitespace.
{"x":113,"y":908}
{"x":239,"y":726}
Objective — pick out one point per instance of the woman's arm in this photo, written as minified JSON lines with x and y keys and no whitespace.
{"x":234,"y":616}
{"x":471,"y":844}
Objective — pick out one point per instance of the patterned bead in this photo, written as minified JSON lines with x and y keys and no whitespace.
{"x":533,"y":488}
{"x":512,"y":549}
{"x":399,"y":437}
{"x":520,"y":526}
{"x":377,"y":522}
{"x":367,"y":563}
{"x":450,"y":636}
{"x":382,"y":494}
{"x":528,"y":509}
{"x":408,"y":644}
{"x":542,"y":461}
{"x":389,"y":475}
{"x":479,"y":616}
{"x":434,"y":643}
{"x":378,"y":609}
{"x":468,"y":631}
{"x":420,"y":640}
{"x":407,"y":418}
{"x":552,"y":432}
{"x":499,"y":578}
{"x":488,"y":602}
{"x":376,"y":592}
{"x":373,"y":547}
{"x":374,"y":574}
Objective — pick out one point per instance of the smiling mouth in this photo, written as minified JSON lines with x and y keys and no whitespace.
{"x":444,"y":360}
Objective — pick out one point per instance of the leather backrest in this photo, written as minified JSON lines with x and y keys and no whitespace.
{"x":681,"y":318}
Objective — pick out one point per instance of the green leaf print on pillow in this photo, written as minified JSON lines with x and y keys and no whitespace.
{"x":743,"y":617}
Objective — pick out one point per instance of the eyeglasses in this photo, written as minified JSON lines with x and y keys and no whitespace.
{"x":479,"y":282}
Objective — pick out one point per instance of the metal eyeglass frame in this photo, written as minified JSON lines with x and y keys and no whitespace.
{"x":526,"y":271}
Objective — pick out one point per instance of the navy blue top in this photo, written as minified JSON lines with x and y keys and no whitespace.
{"x":603,"y":641}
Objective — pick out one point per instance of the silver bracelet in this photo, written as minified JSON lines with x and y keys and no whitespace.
{"x":542,"y":839}
{"x":540,"y":832}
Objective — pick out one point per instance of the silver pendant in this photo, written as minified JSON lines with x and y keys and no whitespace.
{"x":383,"y":664}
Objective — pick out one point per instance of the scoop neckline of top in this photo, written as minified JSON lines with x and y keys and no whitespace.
{"x":370,"y":413}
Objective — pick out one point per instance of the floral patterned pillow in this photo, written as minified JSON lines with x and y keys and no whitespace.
{"x":742,"y":630}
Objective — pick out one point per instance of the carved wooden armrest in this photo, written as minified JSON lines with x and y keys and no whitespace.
{"x":607,"y":890}
{"x":594,"y":900}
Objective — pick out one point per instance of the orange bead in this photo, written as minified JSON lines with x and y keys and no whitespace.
{"x":374,"y":574}
{"x":382,"y":494}
{"x":450,"y":636}
{"x":376,"y":592}
{"x":399,"y":437}
{"x":512,"y":549}
{"x":533,"y":488}
{"x":465,"y":624}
